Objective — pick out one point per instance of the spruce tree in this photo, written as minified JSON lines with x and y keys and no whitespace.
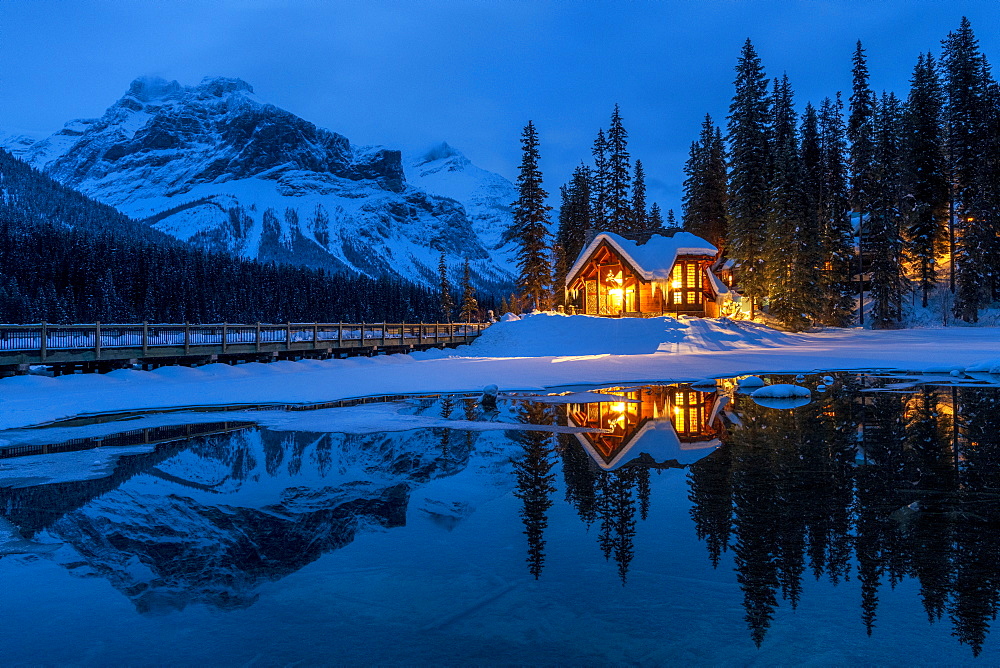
{"x":444,"y":290}
{"x":671,"y":223}
{"x":706,"y":191}
{"x":640,"y":221}
{"x":749,"y":167}
{"x":656,"y":219}
{"x":599,"y":184}
{"x":575,"y":220}
{"x":470,"y":307}
{"x":836,"y":231}
{"x":971,"y":240}
{"x":925,"y":177}
{"x":887,"y":281}
{"x":789,"y":264}
{"x":529,"y":227}
{"x":860,"y":132}
{"x":619,"y":171}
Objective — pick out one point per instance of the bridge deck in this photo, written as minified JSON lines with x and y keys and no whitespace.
{"x":101,"y":347}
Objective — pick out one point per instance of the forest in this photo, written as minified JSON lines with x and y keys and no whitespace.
{"x":65,"y":258}
{"x":869,"y":200}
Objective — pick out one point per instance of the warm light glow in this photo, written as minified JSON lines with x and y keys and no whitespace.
{"x":618,"y":407}
{"x":676,"y":285}
{"x":616,"y":292}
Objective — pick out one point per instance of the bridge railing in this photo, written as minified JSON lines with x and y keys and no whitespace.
{"x":44,"y":337}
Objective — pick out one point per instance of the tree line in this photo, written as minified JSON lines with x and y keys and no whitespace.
{"x":65,"y":258}
{"x":836,"y":207}
{"x":607,"y":195}
{"x":832,"y":216}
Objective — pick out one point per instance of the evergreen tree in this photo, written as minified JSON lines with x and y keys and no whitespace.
{"x":836,"y":232}
{"x":749,"y":167}
{"x":599,"y":181}
{"x":447,"y":303}
{"x":789,"y":244}
{"x":656,"y":218}
{"x":971,"y":240}
{"x":619,"y":171}
{"x":529,"y":227}
{"x":887,"y":282}
{"x":671,"y":223}
{"x":925,"y":175}
{"x":575,"y":223}
{"x":860,"y":132}
{"x":706,"y":191}
{"x":640,"y":218}
{"x":470,"y":307}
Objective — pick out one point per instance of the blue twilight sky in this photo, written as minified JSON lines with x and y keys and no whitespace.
{"x":469,"y":72}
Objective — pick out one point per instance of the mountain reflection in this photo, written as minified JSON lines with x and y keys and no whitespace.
{"x":211,"y":520}
{"x":866,"y":484}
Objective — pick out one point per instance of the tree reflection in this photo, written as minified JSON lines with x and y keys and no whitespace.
{"x":534,"y":481}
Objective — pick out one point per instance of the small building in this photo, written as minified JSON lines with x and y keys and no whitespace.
{"x":666,"y":275}
{"x":665,"y":426}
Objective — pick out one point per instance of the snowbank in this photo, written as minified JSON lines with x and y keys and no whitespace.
{"x":781,"y":391}
{"x":536,"y":352}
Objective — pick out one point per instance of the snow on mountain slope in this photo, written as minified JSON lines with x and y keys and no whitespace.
{"x":214,"y":165}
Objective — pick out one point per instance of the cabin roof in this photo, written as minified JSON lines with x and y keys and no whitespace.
{"x":658,"y":439}
{"x":653,"y":259}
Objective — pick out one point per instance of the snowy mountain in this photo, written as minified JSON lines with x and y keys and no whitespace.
{"x":214,"y":165}
{"x":213,"y":522}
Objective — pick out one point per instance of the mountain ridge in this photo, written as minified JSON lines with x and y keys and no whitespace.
{"x":214,"y":165}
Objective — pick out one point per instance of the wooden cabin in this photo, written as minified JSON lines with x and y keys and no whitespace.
{"x":666,"y":275}
{"x":666,"y":426}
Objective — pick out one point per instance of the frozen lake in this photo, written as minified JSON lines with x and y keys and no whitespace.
{"x":662,"y":524}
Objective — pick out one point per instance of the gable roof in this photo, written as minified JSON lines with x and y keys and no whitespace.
{"x":658,"y":440}
{"x":653,"y":259}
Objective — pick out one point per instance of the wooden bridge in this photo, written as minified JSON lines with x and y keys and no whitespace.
{"x":101,"y":348}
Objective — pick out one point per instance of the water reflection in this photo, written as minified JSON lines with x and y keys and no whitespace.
{"x":872,"y":485}
{"x":860,"y":486}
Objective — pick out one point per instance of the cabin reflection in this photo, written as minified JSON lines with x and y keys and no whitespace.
{"x":661,"y":426}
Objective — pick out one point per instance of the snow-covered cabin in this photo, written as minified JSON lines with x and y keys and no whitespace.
{"x":666,"y":275}
{"x":660,"y":427}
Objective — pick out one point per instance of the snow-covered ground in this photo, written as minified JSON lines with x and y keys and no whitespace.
{"x":533,"y":353}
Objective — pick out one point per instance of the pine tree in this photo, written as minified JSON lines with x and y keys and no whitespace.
{"x":860,"y":131}
{"x":656,"y":218}
{"x":619,"y":170}
{"x":971,"y":240}
{"x":925,"y":172}
{"x":706,"y":191}
{"x":749,"y":167}
{"x":470,"y":307}
{"x":836,"y":231}
{"x":599,"y":184}
{"x":575,"y":221}
{"x":639,"y":220}
{"x":529,"y":227}
{"x":671,"y":220}
{"x":887,"y":282}
{"x":444,"y":291}
{"x":787,"y":247}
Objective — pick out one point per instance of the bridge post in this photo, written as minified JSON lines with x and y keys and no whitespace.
{"x":315,"y":336}
{"x":225,"y":335}
{"x":257,"y":338}
{"x":383,"y":334}
{"x":420,"y":334}
{"x":340,"y":334}
{"x":187,"y":337}
{"x":97,"y":340}
{"x":145,"y":338}
{"x":288,"y":336}
{"x":43,"y":346}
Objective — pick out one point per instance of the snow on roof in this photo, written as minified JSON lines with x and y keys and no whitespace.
{"x":653,"y":259}
{"x":658,"y":439}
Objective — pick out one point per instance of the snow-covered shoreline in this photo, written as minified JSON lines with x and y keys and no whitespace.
{"x":530,"y":354}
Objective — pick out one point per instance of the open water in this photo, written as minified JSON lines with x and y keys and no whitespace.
{"x":697,"y":527}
